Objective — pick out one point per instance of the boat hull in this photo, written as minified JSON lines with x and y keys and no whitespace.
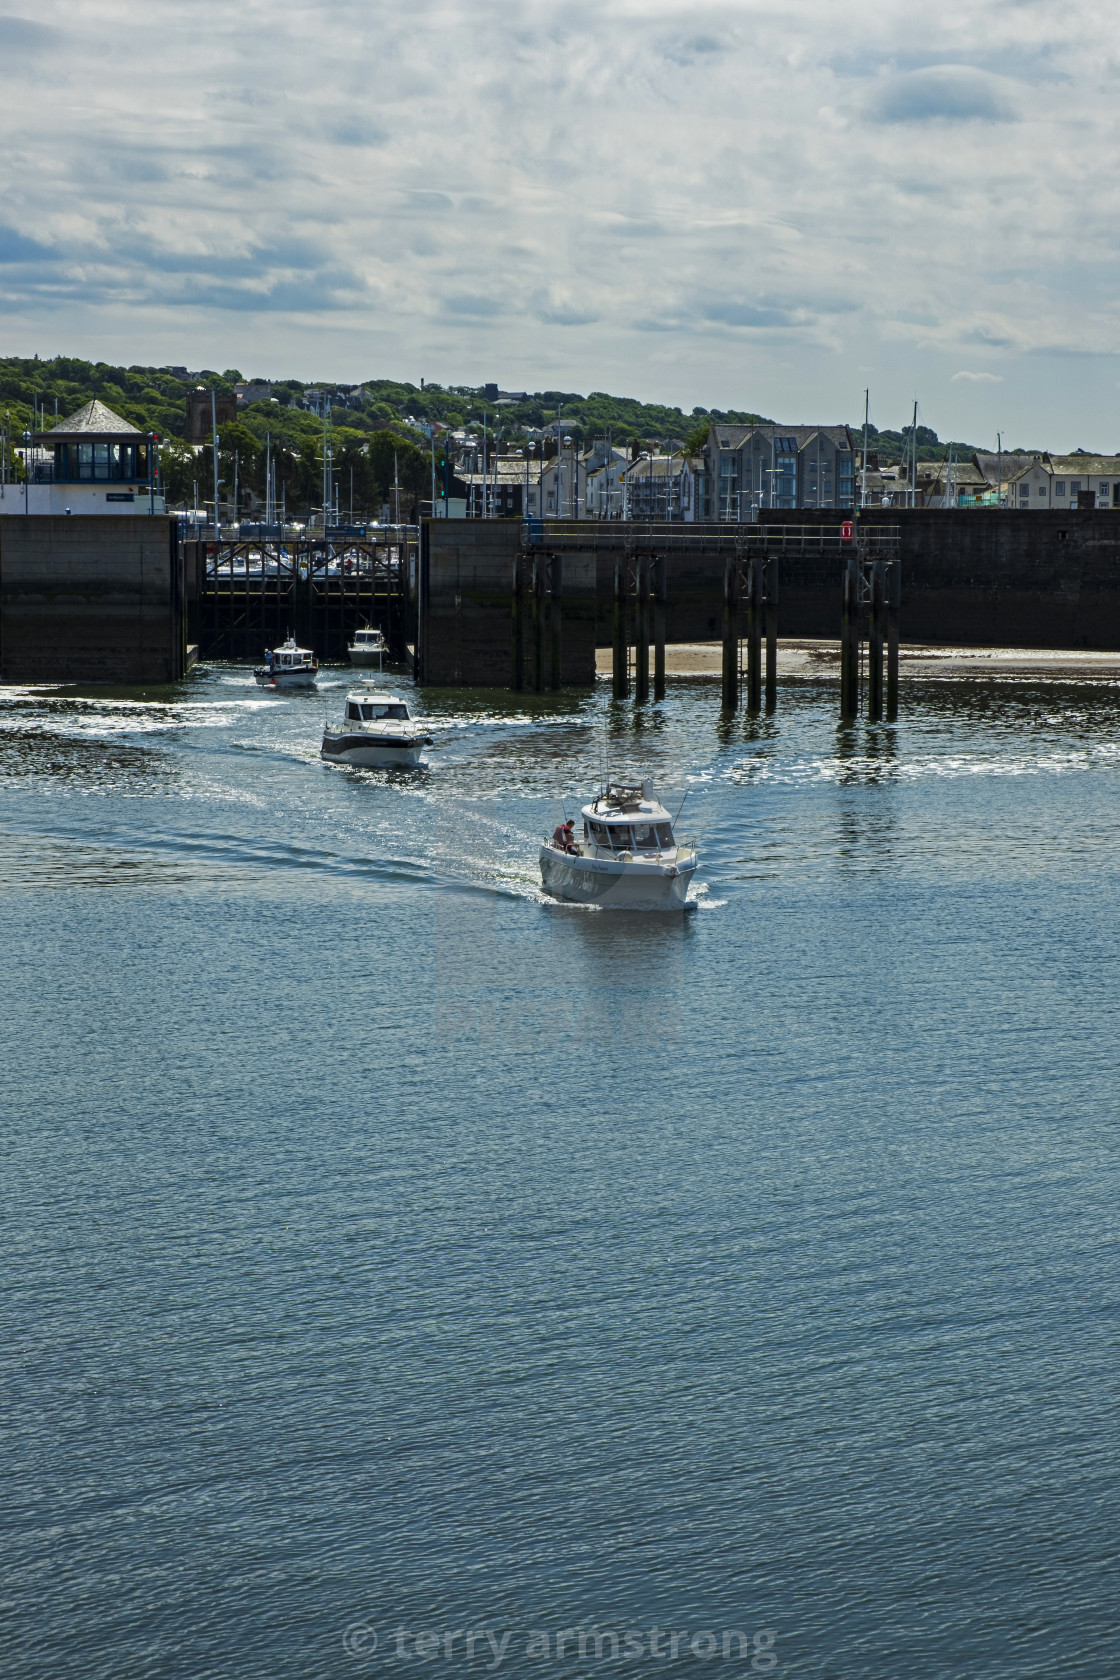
{"x":285,"y":679}
{"x":614,"y":885}
{"x":373,"y":752}
{"x":367,"y":658}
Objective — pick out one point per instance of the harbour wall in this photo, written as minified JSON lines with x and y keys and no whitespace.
{"x":465,"y":611}
{"x":95,"y":599}
{"x":983,"y":577}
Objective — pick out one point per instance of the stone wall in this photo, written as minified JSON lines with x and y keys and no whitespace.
{"x":91,"y":600}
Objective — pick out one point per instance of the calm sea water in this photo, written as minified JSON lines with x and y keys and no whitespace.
{"x":392,"y":1256}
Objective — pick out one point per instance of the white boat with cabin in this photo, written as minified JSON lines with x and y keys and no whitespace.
{"x":287,"y":666}
{"x":368,"y":647}
{"x":376,"y":731}
{"x":627,"y":858}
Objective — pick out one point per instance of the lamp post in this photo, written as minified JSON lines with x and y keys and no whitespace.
{"x":26,"y":469}
{"x":214,"y":433}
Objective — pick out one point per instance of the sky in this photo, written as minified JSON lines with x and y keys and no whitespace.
{"x":735,"y":205}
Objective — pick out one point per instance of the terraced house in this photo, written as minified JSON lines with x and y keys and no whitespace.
{"x":1068,"y":481}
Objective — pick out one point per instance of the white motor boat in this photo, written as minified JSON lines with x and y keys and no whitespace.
{"x":376,"y":731}
{"x":368,"y":647}
{"x":287,"y":666}
{"x":627,"y":857}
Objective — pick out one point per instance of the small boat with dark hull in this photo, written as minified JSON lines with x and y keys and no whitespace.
{"x":628,"y":857}
{"x":287,"y":666}
{"x":376,"y":732}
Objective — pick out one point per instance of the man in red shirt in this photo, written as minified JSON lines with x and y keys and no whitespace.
{"x":562,"y":836}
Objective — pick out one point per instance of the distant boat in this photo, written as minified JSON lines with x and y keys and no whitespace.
{"x":376,"y":731}
{"x":627,"y":858}
{"x":367,"y":648}
{"x":287,"y":666}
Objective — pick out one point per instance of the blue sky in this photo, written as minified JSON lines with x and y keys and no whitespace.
{"x":731,"y":205}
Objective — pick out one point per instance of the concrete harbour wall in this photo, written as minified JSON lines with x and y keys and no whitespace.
{"x":984,"y":577}
{"x":465,"y":612}
{"x":91,"y":600}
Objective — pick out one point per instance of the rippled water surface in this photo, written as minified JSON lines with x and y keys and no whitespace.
{"x":392,"y":1254}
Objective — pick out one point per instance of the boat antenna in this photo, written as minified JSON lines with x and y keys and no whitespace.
{"x":680,"y":807}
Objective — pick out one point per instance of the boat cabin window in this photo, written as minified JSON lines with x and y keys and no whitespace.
{"x":665,"y":834}
{"x":368,"y":711}
{"x":645,"y":836}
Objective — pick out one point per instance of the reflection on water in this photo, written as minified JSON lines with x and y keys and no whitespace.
{"x":80,"y":761}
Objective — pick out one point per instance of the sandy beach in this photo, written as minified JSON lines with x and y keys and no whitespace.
{"x":809,"y":658}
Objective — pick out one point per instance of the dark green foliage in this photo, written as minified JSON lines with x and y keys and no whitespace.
{"x":369,"y":423}
{"x":895,"y":446}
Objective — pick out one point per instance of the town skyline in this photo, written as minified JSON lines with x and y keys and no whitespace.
{"x":685,"y":205}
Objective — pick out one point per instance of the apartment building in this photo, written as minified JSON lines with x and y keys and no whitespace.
{"x":752,"y":468}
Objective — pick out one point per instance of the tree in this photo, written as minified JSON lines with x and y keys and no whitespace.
{"x":390,"y":454}
{"x":179,"y":469}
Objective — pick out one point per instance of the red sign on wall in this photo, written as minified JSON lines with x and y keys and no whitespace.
{"x":846,"y":531}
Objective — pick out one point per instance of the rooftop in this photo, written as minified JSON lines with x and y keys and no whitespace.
{"x":94,"y":420}
{"x":1106,"y":466}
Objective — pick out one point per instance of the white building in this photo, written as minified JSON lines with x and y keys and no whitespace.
{"x":1076,"y":478}
{"x":1054,"y":483}
{"x":562,"y":485}
{"x":605,"y":495}
{"x":93,"y":462}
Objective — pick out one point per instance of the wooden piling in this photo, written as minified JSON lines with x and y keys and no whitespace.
{"x":538,"y":623}
{"x":754,"y":635}
{"x":875,"y":643}
{"x":731,"y":635}
{"x":772,"y":633}
{"x":621,"y":631}
{"x":556,"y":600}
{"x":660,"y":593}
{"x":849,"y":637}
{"x":641,"y":633}
{"x":517,"y":627}
{"x":894,"y":601}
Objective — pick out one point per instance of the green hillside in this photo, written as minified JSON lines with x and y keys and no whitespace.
{"x":155,"y":400}
{"x":378,"y":425}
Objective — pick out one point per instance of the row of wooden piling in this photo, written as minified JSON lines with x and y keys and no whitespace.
{"x":870,"y":599}
{"x":640,"y":593}
{"x":753,"y":582}
{"x":538,"y":584}
{"x":875,"y":584}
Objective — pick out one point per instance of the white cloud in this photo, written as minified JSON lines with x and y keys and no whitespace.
{"x":717,"y":203}
{"x":977,"y":378}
